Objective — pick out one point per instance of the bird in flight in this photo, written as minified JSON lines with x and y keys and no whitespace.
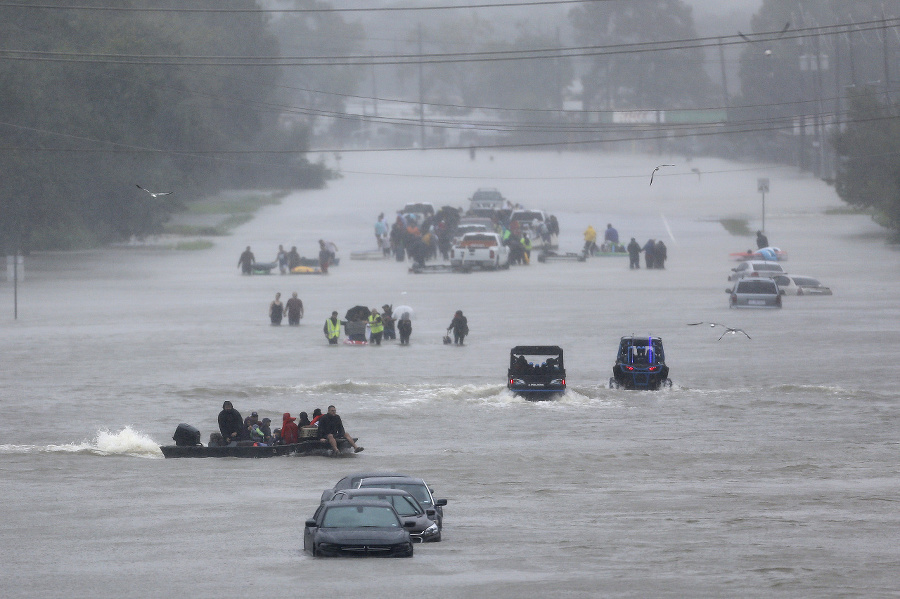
{"x":155,"y":194}
{"x":656,"y":169}
{"x":728,"y":330}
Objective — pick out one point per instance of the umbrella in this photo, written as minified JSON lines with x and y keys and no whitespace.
{"x":400,"y":310}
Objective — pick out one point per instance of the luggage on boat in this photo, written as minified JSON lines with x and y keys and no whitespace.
{"x":186,"y":436}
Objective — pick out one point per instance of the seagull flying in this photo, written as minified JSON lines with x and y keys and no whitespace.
{"x":155,"y":194}
{"x":656,"y":169}
{"x":728,"y":330}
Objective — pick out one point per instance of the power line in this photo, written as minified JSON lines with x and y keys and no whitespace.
{"x":442,"y":58}
{"x":299,"y":10}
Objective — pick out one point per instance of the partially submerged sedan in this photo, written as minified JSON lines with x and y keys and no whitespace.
{"x":408,"y":508}
{"x":357,"y":529}
{"x":800,"y":285}
{"x":415,"y":487}
{"x":753,"y":292}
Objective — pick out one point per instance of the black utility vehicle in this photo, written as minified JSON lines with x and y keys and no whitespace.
{"x":536,"y":371}
{"x":640,"y":364}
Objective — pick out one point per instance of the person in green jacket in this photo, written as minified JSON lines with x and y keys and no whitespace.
{"x":376,"y":327}
{"x":332,"y":328}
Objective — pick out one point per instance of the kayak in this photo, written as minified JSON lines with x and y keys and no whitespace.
{"x":307,"y":447}
{"x":305,"y":270}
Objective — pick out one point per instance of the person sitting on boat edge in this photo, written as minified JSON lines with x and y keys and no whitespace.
{"x":289,"y":431}
{"x":303,"y":420}
{"x":317,"y":413}
{"x":231,"y":424}
{"x":330,"y":425}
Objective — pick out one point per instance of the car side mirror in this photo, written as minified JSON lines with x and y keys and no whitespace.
{"x":430,"y":513}
{"x":781,"y":292}
{"x":440,"y":502}
{"x":728,"y":290}
{"x":310,"y":523}
{"x":409,"y":524}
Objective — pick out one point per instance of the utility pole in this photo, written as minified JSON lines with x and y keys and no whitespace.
{"x":421,"y":95}
{"x":725,"y":101}
{"x":884,"y":52}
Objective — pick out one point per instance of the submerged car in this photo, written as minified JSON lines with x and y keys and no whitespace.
{"x":408,"y":508}
{"x":536,"y":371}
{"x":756,"y":268}
{"x":640,"y":364}
{"x":800,"y":285}
{"x":415,"y":487}
{"x":357,"y":529}
{"x":754,"y":293}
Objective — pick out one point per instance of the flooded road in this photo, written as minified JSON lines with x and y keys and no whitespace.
{"x":770,"y":468}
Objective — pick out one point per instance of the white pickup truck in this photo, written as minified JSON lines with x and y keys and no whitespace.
{"x":481,"y":249}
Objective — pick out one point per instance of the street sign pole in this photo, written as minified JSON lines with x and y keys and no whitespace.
{"x":762,"y":186}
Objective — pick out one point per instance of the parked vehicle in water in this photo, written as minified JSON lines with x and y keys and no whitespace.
{"x":358,"y":529}
{"x":536,"y":371}
{"x":485,"y":202}
{"x":408,"y":508}
{"x":415,"y":487}
{"x":640,"y":364}
{"x":800,"y":285}
{"x":756,"y":268}
{"x":752,"y":292}
{"x":484,"y":250}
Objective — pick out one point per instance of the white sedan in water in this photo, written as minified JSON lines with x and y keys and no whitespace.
{"x":800,"y":285}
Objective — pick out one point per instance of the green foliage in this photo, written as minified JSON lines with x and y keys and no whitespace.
{"x":737,"y":226}
{"x":670,"y":79}
{"x":86,"y":132}
{"x":869,"y":159}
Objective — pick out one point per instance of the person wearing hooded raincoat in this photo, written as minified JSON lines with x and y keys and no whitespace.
{"x":289,"y":431}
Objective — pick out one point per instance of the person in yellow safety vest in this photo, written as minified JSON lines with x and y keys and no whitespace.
{"x":376,"y":327}
{"x":332,"y":328}
{"x":590,"y":241}
{"x":526,"y":245}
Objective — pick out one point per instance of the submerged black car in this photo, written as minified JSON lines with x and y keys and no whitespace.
{"x":536,"y":371}
{"x":357,"y":529}
{"x":408,"y":508}
{"x":640,"y":364}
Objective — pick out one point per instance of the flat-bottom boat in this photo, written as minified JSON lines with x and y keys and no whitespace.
{"x":306,"y":447}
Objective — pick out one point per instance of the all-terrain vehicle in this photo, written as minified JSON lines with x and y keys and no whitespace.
{"x":640,"y":364}
{"x":536,"y":371}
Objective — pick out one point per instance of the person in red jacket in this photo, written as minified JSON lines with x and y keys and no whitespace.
{"x":289,"y":431}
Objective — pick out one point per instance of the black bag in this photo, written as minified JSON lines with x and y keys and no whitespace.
{"x":447,"y":340}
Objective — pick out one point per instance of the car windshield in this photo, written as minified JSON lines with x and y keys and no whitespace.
{"x":417,"y":490}
{"x":807,"y":282}
{"x":479,"y":238}
{"x":356,"y":516}
{"x":775,"y":267}
{"x":528,"y":215}
{"x":405,"y":506}
{"x":757,"y":286}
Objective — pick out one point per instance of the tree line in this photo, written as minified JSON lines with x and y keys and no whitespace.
{"x":78,"y":136}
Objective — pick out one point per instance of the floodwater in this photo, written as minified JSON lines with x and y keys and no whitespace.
{"x":769,"y":469}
